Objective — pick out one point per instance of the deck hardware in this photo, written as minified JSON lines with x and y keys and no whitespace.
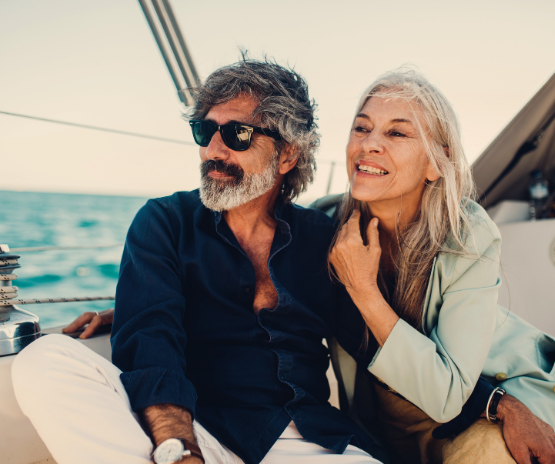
{"x":18,"y":328}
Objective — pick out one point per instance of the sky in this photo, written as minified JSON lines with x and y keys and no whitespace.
{"x":97,"y":63}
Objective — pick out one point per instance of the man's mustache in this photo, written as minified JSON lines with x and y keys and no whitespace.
{"x":221,"y":167}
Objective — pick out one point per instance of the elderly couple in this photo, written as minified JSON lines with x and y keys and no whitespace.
{"x":226,"y":294}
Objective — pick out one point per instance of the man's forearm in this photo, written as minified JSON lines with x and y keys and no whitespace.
{"x":168,"y":421}
{"x":507,"y":405}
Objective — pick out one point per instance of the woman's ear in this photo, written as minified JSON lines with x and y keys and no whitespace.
{"x":288,"y":158}
{"x":432,"y":174}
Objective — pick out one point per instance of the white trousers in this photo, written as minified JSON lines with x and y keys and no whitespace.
{"x":77,"y":403}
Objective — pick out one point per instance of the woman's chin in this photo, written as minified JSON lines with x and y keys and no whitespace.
{"x":365,"y":194}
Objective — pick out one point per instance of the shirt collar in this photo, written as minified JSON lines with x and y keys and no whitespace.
{"x":278,"y":214}
{"x":283,"y":228}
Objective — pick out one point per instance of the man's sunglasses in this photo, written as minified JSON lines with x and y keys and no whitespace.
{"x":235,"y":136}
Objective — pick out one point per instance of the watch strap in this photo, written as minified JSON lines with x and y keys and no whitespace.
{"x":491,"y":411}
{"x":194,"y":449}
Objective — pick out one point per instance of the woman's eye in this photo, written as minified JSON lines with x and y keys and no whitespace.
{"x":397,"y":134}
{"x":361,"y":129}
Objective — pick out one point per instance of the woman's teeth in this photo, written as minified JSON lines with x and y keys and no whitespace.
{"x":371,"y":170}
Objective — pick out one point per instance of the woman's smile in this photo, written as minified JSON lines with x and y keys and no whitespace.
{"x":370,"y":169}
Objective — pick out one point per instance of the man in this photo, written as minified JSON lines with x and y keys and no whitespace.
{"x":222,"y":304}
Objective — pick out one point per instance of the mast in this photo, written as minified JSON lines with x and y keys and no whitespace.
{"x":179,"y":63}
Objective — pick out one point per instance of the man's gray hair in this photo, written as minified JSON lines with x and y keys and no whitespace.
{"x":283,"y":105}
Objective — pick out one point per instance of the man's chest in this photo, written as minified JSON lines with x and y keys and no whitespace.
{"x":233,"y":287}
{"x":265,"y":293}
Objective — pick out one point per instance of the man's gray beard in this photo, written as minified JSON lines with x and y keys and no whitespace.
{"x":219,"y":195}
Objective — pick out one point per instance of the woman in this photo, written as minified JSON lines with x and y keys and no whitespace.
{"x":420,"y":260}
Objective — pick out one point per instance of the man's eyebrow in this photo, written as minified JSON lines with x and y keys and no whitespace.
{"x":234,"y":121}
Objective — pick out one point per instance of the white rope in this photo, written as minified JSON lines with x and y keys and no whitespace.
{"x":48,"y":248}
{"x":54,"y":300}
{"x":8,"y":291}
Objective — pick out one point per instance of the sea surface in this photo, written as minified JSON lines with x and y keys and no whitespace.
{"x":31,"y":219}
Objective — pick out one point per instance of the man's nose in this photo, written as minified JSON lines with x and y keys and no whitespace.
{"x":216,"y":149}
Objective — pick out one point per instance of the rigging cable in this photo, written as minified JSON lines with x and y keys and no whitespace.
{"x":120,"y":132}
{"x":102,"y":129}
{"x":16,"y":301}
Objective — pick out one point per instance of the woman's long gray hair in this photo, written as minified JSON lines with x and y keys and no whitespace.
{"x":442,"y":213}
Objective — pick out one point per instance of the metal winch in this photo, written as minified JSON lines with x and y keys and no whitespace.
{"x":18,"y":328}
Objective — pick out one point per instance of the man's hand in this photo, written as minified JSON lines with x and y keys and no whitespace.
{"x":93,"y":319}
{"x":170,"y":421}
{"x":526,"y":435}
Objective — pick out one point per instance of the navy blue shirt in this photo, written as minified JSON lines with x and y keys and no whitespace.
{"x":185,"y":331}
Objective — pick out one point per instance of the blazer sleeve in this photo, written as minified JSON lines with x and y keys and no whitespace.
{"x":148,"y":336}
{"x":439,"y":372}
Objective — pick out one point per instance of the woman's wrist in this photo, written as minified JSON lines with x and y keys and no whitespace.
{"x":368,"y":298}
{"x":376,"y":312}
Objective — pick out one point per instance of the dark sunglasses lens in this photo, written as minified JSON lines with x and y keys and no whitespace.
{"x":203,"y":132}
{"x":236,"y":137}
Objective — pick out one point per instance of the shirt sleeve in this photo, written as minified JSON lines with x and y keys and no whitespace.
{"x":148,"y":336}
{"x":439,"y":373}
{"x":471,"y":411}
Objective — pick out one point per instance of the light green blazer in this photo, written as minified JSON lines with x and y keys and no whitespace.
{"x":466,"y":334}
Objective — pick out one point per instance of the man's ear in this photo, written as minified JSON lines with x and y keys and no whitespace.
{"x":288,"y":158}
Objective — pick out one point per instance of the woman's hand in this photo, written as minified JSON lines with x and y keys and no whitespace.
{"x":356,"y":266}
{"x":95,"y":320}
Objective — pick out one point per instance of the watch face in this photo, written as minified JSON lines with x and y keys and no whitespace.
{"x":169,"y":451}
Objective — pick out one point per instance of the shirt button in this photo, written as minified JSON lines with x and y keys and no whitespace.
{"x":247,"y":289}
{"x":501,"y":376}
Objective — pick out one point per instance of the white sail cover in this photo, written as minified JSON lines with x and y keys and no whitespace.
{"x":495,"y":159}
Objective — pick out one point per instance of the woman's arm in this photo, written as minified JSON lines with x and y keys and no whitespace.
{"x":436,"y":373}
{"x":356,"y":266}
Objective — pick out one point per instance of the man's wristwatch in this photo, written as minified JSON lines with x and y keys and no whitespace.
{"x":491,"y":408}
{"x":174,"y":449}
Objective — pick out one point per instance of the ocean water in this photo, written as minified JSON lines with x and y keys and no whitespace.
{"x":30,"y":219}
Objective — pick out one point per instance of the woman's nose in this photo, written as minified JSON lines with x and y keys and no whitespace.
{"x":373,"y":143}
